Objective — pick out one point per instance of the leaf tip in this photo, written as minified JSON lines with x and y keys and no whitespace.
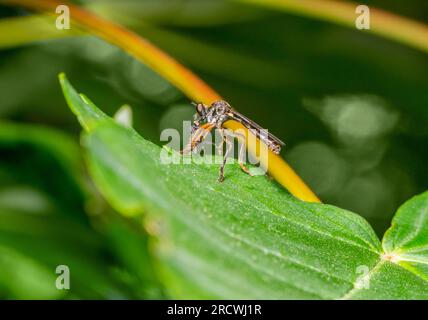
{"x":63,"y":81}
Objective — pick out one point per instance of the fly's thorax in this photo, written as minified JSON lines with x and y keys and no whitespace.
{"x":219,"y":112}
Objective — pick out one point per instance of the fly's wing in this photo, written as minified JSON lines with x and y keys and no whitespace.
{"x":259,"y":132}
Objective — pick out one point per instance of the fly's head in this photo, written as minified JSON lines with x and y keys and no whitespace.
{"x":201,"y":109}
{"x":216,"y":114}
{"x":200,"y":115}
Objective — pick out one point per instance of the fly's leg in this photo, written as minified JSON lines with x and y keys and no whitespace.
{"x":197,"y":137}
{"x":187,"y":149}
{"x":194,"y":141}
{"x":241,"y":154}
{"x":220,"y":147}
{"x":226,"y":154}
{"x":241,"y":158}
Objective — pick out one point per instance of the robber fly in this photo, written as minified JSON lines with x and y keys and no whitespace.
{"x":213,"y":117}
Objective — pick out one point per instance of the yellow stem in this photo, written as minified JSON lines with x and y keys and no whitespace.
{"x":177,"y":74}
{"x":386,"y":24}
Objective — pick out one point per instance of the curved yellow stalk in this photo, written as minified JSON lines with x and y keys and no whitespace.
{"x":174,"y":72}
{"x":386,"y":24}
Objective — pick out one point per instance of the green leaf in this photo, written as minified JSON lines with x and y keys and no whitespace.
{"x":36,"y":156}
{"x":51,"y":240}
{"x":87,"y":113}
{"x":24,"y":278}
{"x":44,"y":223}
{"x":245,"y":237}
{"x":42,"y":219}
{"x":406,"y":241}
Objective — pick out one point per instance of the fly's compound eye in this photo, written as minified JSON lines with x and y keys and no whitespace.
{"x":201,"y":110}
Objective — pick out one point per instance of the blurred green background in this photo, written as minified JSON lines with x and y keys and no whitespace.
{"x":352,"y":108}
